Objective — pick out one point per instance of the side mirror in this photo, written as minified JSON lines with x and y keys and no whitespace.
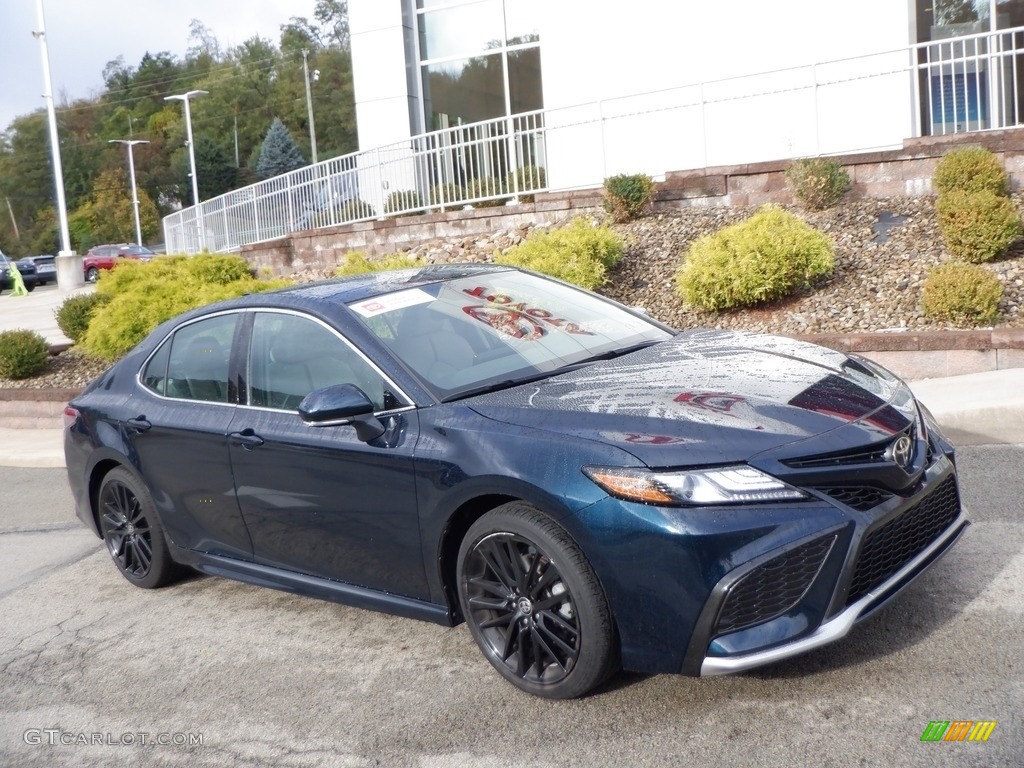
{"x":342,"y":403}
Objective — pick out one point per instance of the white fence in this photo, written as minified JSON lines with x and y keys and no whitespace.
{"x":957,"y":85}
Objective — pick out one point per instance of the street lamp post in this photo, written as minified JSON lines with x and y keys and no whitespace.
{"x":69,"y":265}
{"x":130,"y":143}
{"x":192,"y":155}
{"x":309,"y":104}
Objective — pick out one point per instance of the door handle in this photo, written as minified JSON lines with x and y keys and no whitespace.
{"x":139,"y":424}
{"x":247,"y":438}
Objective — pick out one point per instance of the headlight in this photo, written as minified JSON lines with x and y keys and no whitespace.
{"x":699,"y":487}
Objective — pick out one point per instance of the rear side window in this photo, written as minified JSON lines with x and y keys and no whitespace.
{"x":193,"y":363}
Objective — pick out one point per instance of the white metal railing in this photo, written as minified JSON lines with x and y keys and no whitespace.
{"x":962,"y":84}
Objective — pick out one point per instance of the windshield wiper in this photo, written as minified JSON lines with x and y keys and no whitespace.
{"x":610,"y":355}
{"x":497,"y":386}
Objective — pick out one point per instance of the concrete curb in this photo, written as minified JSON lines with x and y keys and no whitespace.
{"x":977,"y":409}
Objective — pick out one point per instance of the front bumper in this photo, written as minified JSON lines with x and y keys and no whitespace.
{"x":839,"y":626}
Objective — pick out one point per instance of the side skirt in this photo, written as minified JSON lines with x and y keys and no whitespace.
{"x":314,"y":586}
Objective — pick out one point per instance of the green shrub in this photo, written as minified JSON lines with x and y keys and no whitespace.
{"x":757,"y":260}
{"x":628,"y":196}
{"x":74,"y":314}
{"x":579,"y":253}
{"x":977,"y":226}
{"x":356,"y":263}
{"x":408,"y":202}
{"x":963,"y":294}
{"x":444,"y":195}
{"x":139,"y":296}
{"x":487,"y":186}
{"x":524,"y":179}
{"x":22,"y":354}
{"x":356,"y":209}
{"x":970,"y":169}
{"x":817,"y":183}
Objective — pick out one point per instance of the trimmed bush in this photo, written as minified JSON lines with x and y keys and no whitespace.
{"x":580,"y":253}
{"x":527,"y":177}
{"x":977,"y":226}
{"x":74,"y":314}
{"x":817,"y":183}
{"x":628,"y":196}
{"x":408,"y":202}
{"x":22,"y":354}
{"x":963,"y":294}
{"x":970,"y":169}
{"x":356,"y":209}
{"x":487,"y":186}
{"x":761,"y":259}
{"x":138,"y":296}
{"x":446,"y":194}
{"x":356,"y":263}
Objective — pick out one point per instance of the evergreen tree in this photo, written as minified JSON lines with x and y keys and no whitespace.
{"x":279,"y":153}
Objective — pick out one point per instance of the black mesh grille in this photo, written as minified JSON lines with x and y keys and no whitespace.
{"x":892,"y":546}
{"x":861,"y":498}
{"x":773,"y":588}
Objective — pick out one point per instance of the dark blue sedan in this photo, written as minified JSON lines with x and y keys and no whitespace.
{"x":586,"y":488}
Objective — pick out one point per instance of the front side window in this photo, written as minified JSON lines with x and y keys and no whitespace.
{"x":290,"y":356}
{"x":193,"y":363}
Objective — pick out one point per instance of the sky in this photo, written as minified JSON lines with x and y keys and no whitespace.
{"x":83,"y":35}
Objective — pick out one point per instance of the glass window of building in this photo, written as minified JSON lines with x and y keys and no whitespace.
{"x":479,"y":60}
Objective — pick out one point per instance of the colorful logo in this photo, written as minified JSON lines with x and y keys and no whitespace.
{"x":958,"y":730}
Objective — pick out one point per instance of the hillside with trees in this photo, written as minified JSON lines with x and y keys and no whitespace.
{"x":250,"y":87}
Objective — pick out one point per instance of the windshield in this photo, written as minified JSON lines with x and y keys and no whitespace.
{"x":498,"y":329}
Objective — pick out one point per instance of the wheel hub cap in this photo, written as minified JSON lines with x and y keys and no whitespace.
{"x":524,"y":606}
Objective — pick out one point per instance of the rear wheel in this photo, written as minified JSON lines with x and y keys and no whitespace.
{"x":133,"y":534}
{"x":534,"y":605}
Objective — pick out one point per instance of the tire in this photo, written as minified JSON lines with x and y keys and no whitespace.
{"x":30,"y":287}
{"x":132,"y":532}
{"x":91,"y":274}
{"x":534,"y":605}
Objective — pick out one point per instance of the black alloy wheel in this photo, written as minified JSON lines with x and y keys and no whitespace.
{"x":132,"y":532}
{"x":533,"y":604}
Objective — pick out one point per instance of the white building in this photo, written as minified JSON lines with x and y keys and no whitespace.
{"x":662,"y":85}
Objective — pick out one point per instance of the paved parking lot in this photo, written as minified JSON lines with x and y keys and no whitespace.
{"x":90,"y":668}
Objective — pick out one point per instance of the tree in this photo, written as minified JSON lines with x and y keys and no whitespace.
{"x":279,"y":153}
{"x":107,"y":216}
{"x":215,"y":169}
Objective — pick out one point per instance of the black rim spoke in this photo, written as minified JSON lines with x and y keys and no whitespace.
{"x":126,"y":530}
{"x":521,"y":606}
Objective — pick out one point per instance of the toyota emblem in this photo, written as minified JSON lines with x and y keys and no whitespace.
{"x":902,"y":451}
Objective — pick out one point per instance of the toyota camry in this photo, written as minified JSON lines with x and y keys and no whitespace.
{"x":587,"y":489}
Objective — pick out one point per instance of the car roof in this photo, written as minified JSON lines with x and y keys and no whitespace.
{"x":359,"y":287}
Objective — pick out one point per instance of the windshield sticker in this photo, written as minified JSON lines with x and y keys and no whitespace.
{"x":391,"y":301}
{"x":516,"y":319}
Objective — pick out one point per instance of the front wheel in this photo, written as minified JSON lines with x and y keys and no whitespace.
{"x":534,"y":605}
{"x":133,"y":534}
{"x":91,"y":274}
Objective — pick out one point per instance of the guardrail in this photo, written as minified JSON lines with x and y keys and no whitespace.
{"x":956,"y":85}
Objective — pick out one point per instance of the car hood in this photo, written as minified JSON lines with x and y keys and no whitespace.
{"x":707,"y":397}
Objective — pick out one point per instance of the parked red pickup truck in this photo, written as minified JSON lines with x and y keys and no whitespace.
{"x":106,"y":257}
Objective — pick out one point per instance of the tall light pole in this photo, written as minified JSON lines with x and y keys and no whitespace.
{"x":192,"y":156}
{"x":69,"y":267}
{"x":309,"y":103}
{"x":130,"y":143}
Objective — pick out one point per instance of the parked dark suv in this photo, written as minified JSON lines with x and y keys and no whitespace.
{"x":28,"y":273}
{"x":106,"y":256}
{"x":46,"y":267}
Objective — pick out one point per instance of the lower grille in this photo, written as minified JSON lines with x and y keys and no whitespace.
{"x":774,"y":587}
{"x":861,"y":498}
{"x":896,"y":543}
